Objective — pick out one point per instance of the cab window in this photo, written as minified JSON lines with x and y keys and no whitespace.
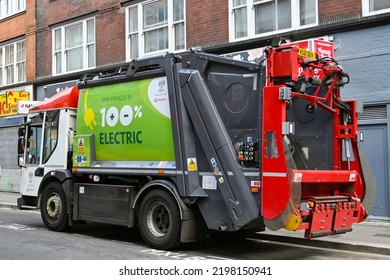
{"x":50,"y":134}
{"x":34,"y":137}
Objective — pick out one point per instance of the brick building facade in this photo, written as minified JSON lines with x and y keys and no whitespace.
{"x":17,"y":73}
{"x":109,"y":24}
{"x":209,"y":24}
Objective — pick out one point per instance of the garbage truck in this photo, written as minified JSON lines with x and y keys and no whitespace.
{"x":185,"y":145}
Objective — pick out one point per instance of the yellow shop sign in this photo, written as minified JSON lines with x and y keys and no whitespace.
{"x":9,"y":102}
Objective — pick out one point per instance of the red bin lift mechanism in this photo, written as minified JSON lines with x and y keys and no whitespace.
{"x":322,"y":202}
{"x":188,"y":144}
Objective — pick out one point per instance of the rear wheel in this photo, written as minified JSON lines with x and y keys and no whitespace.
{"x":159,"y":220}
{"x":53,"y":207}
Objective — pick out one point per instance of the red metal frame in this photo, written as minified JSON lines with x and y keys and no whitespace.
{"x":276,"y":185}
{"x":332,"y":196}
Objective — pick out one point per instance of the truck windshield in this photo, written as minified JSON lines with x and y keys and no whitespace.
{"x":34,"y":136}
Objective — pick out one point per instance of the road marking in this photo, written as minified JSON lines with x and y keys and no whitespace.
{"x":179,"y":256}
{"x":16,"y":227}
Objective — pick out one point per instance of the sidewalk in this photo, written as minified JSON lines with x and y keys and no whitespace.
{"x":371,"y":236}
{"x":8,"y":199}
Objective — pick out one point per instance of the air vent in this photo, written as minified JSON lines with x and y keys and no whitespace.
{"x":378,"y":112}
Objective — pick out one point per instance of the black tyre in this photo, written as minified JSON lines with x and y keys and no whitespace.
{"x":53,"y":207}
{"x":159,"y":220}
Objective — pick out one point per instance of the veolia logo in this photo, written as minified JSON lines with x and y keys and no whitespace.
{"x":158,"y":95}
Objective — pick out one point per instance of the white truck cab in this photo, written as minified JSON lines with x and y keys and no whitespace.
{"x":45,"y":143}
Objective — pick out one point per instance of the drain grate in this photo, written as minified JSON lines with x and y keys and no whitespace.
{"x":382,"y":235}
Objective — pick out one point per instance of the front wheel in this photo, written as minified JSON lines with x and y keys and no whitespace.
{"x":53,"y":207}
{"x":159,"y":220}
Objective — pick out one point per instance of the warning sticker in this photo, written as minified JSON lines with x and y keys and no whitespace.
{"x":192,"y":166}
{"x":80,"y":146}
{"x":298,"y":177}
{"x":213,"y":162}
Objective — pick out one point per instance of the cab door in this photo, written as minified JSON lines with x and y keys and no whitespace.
{"x":46,"y":149}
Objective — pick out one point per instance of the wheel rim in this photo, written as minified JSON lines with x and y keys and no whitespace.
{"x":158,"y":219}
{"x":53,"y":206}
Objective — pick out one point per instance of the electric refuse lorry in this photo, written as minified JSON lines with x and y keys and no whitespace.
{"x":188,"y":144}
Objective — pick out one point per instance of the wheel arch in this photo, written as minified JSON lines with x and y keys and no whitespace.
{"x":64,"y":178}
{"x":168,"y":186}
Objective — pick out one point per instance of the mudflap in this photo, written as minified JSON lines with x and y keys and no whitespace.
{"x":332,"y":215}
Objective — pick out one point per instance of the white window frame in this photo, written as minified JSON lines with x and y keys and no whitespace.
{"x":251,"y":26}
{"x":366,"y":9}
{"x":140,"y":31}
{"x":11,"y":7}
{"x":63,"y":51}
{"x":15,"y":64}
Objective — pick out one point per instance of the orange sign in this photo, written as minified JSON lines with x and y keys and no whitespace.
{"x":9,"y":102}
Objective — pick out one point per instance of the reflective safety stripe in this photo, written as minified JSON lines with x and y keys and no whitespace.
{"x":251,"y":174}
{"x":274,"y":174}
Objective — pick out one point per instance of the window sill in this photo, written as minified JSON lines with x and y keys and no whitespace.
{"x":11,"y":16}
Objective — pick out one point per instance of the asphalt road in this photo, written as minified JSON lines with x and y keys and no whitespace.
{"x":24,"y":237}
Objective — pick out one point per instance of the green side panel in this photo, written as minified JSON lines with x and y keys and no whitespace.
{"x":131,"y":121}
{"x":83,"y":150}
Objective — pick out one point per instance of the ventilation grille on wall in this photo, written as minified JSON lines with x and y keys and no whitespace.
{"x":340,"y":18}
{"x":378,"y":112}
